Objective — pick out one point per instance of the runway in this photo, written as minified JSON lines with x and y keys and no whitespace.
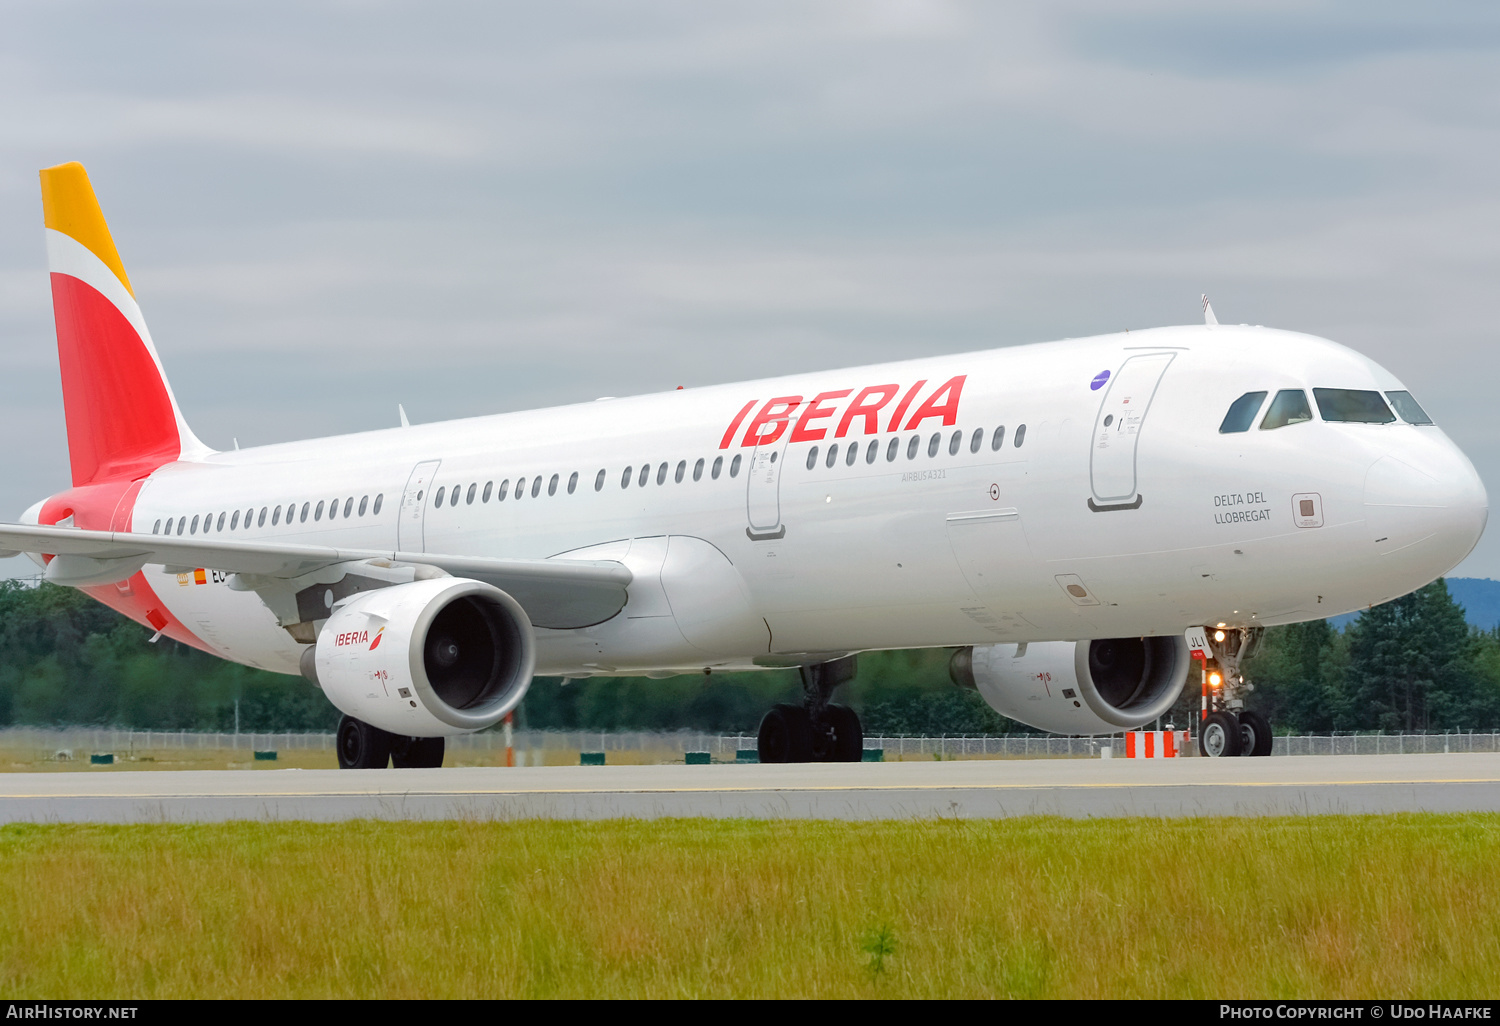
{"x":1310,"y":785}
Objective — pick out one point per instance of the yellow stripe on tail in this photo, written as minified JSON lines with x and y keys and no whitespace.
{"x":69,"y":206}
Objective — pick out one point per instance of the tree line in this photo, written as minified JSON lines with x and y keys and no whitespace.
{"x":1411,"y":664}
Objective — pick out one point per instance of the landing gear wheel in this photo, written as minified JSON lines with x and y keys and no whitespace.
{"x":418,"y":753}
{"x":848,"y":735}
{"x":1219,"y":736}
{"x":1255,"y":734}
{"x":361,"y":746}
{"x":785,"y":735}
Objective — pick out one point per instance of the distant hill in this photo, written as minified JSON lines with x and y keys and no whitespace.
{"x":1479,"y":596}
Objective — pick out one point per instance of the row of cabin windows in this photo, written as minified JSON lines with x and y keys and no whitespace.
{"x":1336,"y":405}
{"x":350,"y":507}
{"x":451,"y":496}
{"x":914,"y":444}
{"x":475,"y":492}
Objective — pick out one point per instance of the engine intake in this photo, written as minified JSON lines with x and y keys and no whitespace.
{"x":425,"y":659}
{"x":1078,"y":687}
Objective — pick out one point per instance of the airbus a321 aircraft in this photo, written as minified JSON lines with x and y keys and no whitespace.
{"x":1078,"y":519}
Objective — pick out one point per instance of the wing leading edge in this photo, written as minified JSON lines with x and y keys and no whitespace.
{"x":555,"y":593}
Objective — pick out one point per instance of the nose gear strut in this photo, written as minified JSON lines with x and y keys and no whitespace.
{"x":1226,"y":727}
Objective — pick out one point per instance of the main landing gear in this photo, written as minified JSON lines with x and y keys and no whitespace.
{"x":1227,"y":727}
{"x":817,"y":730}
{"x":361,"y":746}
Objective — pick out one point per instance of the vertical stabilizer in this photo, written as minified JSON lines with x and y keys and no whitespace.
{"x":123,"y":421}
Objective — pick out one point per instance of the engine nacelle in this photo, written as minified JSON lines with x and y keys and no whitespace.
{"x":426,"y":659}
{"x":1078,"y":687}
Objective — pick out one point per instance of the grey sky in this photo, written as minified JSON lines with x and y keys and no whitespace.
{"x":468,"y":208}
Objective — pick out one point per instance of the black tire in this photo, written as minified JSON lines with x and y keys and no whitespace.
{"x":1255,"y":733}
{"x":785,"y":735}
{"x":361,"y":746}
{"x":1219,"y":736}
{"x":848,"y":735}
{"x":419,"y":753}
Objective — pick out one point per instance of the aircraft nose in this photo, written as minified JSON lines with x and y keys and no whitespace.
{"x":1425,"y":506}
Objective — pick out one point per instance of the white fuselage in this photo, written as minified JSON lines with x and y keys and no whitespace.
{"x":1070,"y":529}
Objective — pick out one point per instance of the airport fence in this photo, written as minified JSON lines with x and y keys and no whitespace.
{"x":725,"y":746}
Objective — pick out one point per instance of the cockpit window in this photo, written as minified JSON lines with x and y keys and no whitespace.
{"x":1352,"y":406}
{"x":1242,"y":413}
{"x":1408,"y":408}
{"x":1289,"y":407}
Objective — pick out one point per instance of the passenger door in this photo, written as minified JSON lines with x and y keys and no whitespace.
{"x":1117,"y":431}
{"x":410,"y":536}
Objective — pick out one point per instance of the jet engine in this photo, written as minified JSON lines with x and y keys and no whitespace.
{"x":425,"y":659}
{"x":1078,"y":687}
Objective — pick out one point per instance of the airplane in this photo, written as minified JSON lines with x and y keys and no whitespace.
{"x":1087,"y":523}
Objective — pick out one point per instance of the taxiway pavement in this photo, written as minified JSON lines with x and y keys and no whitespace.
{"x":1307,"y":785}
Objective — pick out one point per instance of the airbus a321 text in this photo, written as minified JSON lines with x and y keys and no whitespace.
{"x":1088,"y":523}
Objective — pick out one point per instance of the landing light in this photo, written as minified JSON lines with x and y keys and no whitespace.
{"x":1215,"y":680}
{"x":1218,"y":635}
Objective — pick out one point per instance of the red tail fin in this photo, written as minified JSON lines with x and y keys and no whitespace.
{"x":123,"y":421}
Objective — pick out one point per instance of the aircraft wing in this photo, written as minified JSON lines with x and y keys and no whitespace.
{"x":554,"y":592}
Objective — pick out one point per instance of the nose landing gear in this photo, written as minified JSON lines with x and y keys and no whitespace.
{"x":1227,"y":728}
{"x":817,"y":730}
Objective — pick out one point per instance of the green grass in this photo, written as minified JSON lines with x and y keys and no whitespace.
{"x":1395,"y":906}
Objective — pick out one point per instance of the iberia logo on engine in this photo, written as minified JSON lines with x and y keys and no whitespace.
{"x":358,"y":638}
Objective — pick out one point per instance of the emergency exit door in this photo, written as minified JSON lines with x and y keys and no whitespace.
{"x":410,"y":536}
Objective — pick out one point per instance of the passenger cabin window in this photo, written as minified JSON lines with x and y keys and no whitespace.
{"x":977,"y":440}
{"x":645,"y":475}
{"x":536,"y":486}
{"x":1289,"y":407}
{"x":718,"y":466}
{"x":734,"y":466}
{"x":378,"y":500}
{"x":1408,"y":408}
{"x":364,"y":501}
{"x":679,"y":473}
{"x":932,"y":445}
{"x":437,"y":502}
{"x":552,"y":485}
{"x":999,"y":439}
{"x":318,"y":512}
{"x":812,"y":457}
{"x":833,"y":455}
{"x":1242,"y":413}
{"x":1352,"y":406}
{"x":698,"y":470}
{"x":955,"y":442}
{"x":625,"y":477}
{"x":157,"y":528}
{"x":469,"y":497}
{"x":454,"y":500}
{"x":220,"y":525}
{"x":484,"y":496}
{"x":599,"y":481}
{"x":234,"y":521}
{"x":851,"y":453}
{"x":573,"y":483}
{"x":1020,"y":435}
